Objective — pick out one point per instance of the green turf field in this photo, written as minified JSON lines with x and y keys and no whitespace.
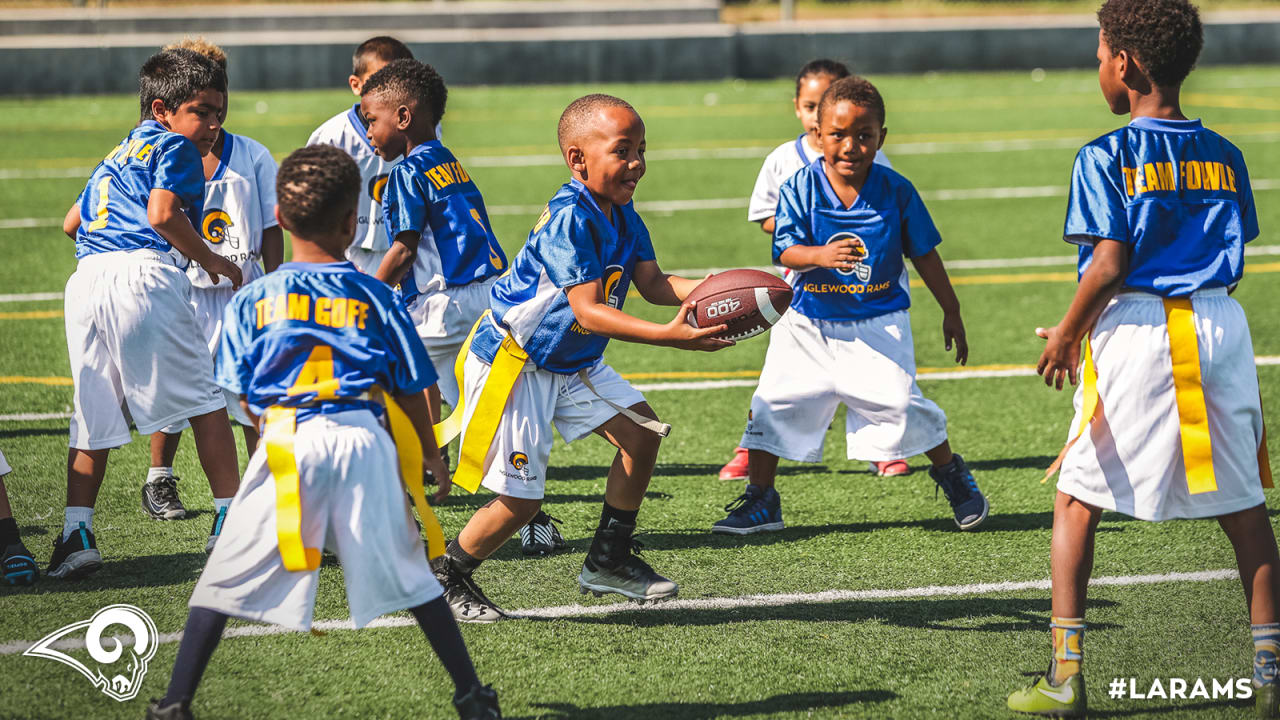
{"x":991,"y":153}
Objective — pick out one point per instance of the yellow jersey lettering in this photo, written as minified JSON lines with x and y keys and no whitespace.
{"x":114,"y":152}
{"x":1192,"y":173}
{"x":575,"y":327}
{"x":1213,"y":176}
{"x":338,"y":313}
{"x":357,"y":313}
{"x":299,"y":307}
{"x":144,"y":153}
{"x":102,"y":216}
{"x":446,"y":173}
{"x":459,"y":173}
{"x":1129,"y":174}
{"x":324,"y":307}
{"x":260,"y":308}
{"x":1152,"y":177}
{"x":1231,"y":178}
{"x":1165,"y":170}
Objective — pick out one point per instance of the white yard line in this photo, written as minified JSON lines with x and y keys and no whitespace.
{"x":749,"y":601}
{"x":32,"y":417}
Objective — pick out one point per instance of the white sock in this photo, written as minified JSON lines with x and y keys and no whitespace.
{"x":156,"y":473}
{"x":73,"y":516}
{"x":220,"y":503}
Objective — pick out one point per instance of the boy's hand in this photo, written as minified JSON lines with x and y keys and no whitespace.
{"x":439,"y":474}
{"x":680,"y":334}
{"x":217,"y":265}
{"x":953,"y":332}
{"x":837,"y":255}
{"x":1059,"y":359}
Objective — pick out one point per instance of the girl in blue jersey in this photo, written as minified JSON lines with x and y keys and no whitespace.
{"x":843,"y":225}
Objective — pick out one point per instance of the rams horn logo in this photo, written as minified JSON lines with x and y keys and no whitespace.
{"x":861,"y":268}
{"x":124,"y":682}
{"x":214,"y":225}
{"x":518,"y":460}
{"x":612,"y":279}
{"x":376,"y":187}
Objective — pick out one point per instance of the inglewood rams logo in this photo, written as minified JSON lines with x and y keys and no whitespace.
{"x":377,"y":186}
{"x":861,"y":268}
{"x":215,"y":225}
{"x":120,"y":683}
{"x":519,"y":461}
{"x":612,"y":292}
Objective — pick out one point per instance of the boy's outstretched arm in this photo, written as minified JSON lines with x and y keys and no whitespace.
{"x":399,"y":258}
{"x":272,"y":248}
{"x":593,"y":313}
{"x":1100,"y":282}
{"x":415,"y":406}
{"x":164,"y":212}
{"x":934,"y":275}
{"x":659,"y":288}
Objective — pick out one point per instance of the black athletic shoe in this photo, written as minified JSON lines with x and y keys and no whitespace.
{"x":467,"y":601}
{"x":613,"y":565}
{"x":160,"y":499}
{"x":480,"y":703}
{"x":172,"y":711}
{"x":219,"y":519}
{"x":19,"y":567}
{"x":75,"y":557}
{"x":540,"y":536}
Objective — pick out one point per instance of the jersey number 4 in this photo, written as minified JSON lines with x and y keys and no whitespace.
{"x":317,"y":375}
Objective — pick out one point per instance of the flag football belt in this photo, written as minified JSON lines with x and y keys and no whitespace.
{"x":508,"y":362}
{"x":279,"y":426}
{"x":1193,"y":417}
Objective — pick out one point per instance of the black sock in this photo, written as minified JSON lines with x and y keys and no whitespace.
{"x":462,"y":561}
{"x":199,"y":639}
{"x":437,"y":623}
{"x":8,"y":532}
{"x":612,"y":513}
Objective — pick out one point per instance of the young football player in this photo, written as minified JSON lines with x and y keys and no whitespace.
{"x":535,"y":360}
{"x":327,"y":358}
{"x":785,"y":160}
{"x":1168,"y":421}
{"x":132,"y":334}
{"x":19,"y":565}
{"x":844,"y":224}
{"x":239,"y":224}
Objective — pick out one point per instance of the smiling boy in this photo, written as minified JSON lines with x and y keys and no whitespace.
{"x":536,"y":359}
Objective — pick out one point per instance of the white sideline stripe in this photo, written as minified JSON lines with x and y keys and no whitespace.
{"x":30,"y":417}
{"x":749,"y":601}
{"x":31,"y":297}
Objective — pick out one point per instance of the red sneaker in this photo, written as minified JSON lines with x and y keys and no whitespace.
{"x":735,"y":469}
{"x":891,"y":468}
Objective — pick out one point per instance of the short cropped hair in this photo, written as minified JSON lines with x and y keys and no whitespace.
{"x":383,"y":48}
{"x":202,"y":46}
{"x":822,"y":66}
{"x":1164,"y":36}
{"x":403,"y":81}
{"x":576,"y":119}
{"x":856,"y":90}
{"x":316,"y":186}
{"x":174,"y":77}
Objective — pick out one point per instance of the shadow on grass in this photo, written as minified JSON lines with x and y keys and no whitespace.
{"x":1147,"y":710}
{"x":570,"y":473}
{"x":958,"y":614}
{"x":790,"y":702}
{"x":33,"y":432}
{"x":124,"y":573}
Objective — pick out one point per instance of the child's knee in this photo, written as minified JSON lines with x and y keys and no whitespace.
{"x":520,"y":509}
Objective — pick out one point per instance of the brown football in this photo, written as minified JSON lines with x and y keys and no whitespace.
{"x":748,"y":301}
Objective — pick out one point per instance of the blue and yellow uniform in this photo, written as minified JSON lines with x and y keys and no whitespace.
{"x":1168,"y":418}
{"x":317,"y":349}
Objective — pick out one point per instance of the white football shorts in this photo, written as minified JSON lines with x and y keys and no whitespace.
{"x":4,"y":466}
{"x":444,"y":319}
{"x":353,"y":504}
{"x":132,"y":337}
{"x":209,"y":304}
{"x":869,"y":366}
{"x":1130,"y":458}
{"x":516,"y":464}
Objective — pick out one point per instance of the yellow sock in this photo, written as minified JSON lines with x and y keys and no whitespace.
{"x":1068,"y":638}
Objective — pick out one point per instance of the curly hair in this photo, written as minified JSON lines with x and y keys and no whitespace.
{"x":856,"y":90}
{"x":316,"y":186}
{"x":1164,"y":36}
{"x":822,"y":66}
{"x":174,"y":77}
{"x":576,"y":119}
{"x":402,"y":82}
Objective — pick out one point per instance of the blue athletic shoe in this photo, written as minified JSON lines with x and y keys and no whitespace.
{"x":19,"y":567}
{"x":754,"y":511}
{"x":219,"y":518}
{"x":967,"y":502}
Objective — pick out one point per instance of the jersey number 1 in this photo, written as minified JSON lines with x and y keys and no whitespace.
{"x":101,"y":220}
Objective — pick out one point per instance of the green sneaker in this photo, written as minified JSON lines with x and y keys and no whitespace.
{"x":1267,"y":699}
{"x":1065,"y":700}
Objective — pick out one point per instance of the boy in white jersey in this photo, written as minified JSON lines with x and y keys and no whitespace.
{"x":239,"y":224}
{"x":1168,"y":420}
{"x":780,"y":165}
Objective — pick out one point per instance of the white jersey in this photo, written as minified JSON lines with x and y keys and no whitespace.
{"x":779,"y":166}
{"x":239,"y":204}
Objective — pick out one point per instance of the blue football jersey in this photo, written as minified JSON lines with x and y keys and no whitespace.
{"x":1176,"y":193}
{"x":428,"y":192}
{"x":319,"y":325}
{"x":113,"y":206}
{"x":572,"y":243}
{"x":887,"y":222}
